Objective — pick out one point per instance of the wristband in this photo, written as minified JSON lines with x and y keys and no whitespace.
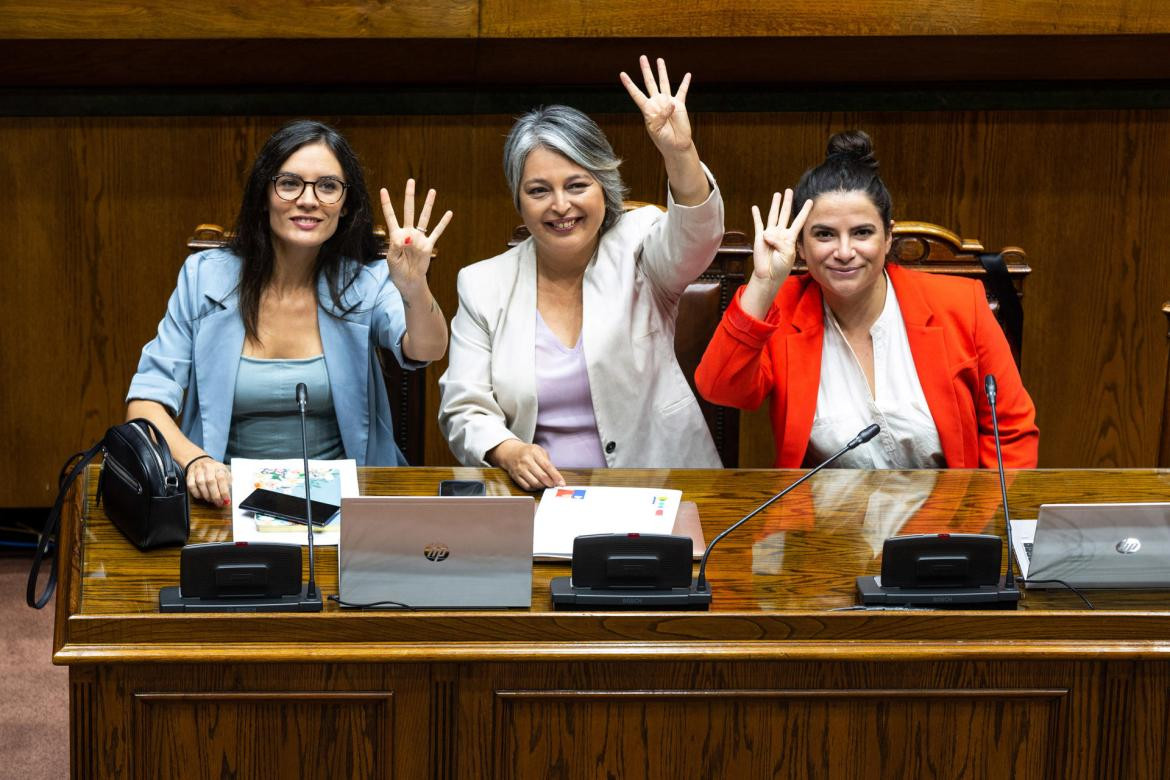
{"x":192,"y":461}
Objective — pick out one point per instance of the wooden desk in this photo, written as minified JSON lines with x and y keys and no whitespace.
{"x":771,"y":682}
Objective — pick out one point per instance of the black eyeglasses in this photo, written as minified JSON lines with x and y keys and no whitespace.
{"x":327,"y":189}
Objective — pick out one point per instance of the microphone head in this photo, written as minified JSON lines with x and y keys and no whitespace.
{"x":866,"y":434}
{"x":989,"y":388}
{"x":302,"y":394}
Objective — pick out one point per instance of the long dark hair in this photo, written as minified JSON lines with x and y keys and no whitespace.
{"x":353,"y":239}
{"x":849,"y":166}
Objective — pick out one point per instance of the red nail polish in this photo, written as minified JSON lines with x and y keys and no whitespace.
{"x":226,"y":501}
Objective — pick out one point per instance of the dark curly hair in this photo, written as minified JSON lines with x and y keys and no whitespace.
{"x":353,"y":239}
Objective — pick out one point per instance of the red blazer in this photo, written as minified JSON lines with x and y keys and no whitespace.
{"x":954,"y":339}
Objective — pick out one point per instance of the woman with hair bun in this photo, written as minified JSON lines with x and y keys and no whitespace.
{"x":858,"y":340}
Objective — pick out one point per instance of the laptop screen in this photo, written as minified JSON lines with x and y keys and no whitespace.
{"x":1109,"y":545}
{"x":449,"y":552}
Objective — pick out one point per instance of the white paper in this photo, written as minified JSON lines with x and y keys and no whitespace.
{"x":331,"y":481}
{"x":568,"y":512}
{"x":1023,"y":532}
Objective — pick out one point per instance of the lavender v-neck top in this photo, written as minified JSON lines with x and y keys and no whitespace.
{"x":565,"y":424}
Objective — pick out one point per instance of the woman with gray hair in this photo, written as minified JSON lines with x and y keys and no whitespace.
{"x":562,"y":350}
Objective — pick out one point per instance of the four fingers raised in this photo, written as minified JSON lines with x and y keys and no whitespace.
{"x":407,"y":224}
{"x":655,"y":86}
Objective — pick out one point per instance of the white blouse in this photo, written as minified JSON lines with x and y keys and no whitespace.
{"x":908,"y":437}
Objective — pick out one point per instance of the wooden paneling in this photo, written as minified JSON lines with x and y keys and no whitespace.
{"x":578,"y":19}
{"x":794,"y":720}
{"x":48,"y":19}
{"x":95,"y":244}
{"x":1147,"y":694}
{"x":256,"y":721}
{"x":237,"y":733}
{"x":746,"y":18}
{"x":232,"y":43}
{"x":733,"y":64}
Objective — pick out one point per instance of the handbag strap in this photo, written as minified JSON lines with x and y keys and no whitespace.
{"x":65,"y":481}
{"x":172,"y":469}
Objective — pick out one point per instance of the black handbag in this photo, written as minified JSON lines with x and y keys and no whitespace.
{"x":142,"y":487}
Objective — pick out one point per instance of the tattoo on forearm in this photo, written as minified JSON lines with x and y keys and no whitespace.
{"x":434,"y":304}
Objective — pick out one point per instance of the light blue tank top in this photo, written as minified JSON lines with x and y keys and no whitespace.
{"x":266,"y":422}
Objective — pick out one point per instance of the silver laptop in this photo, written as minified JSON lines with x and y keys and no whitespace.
{"x":449,"y":552}
{"x":1096,"y":545}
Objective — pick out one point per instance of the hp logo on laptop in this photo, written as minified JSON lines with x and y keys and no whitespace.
{"x":1129,"y":545}
{"x":436,"y":552}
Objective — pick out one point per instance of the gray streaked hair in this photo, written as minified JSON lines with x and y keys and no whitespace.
{"x":568,"y":132}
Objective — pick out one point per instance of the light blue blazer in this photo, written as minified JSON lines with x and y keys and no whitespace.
{"x":191,"y":364}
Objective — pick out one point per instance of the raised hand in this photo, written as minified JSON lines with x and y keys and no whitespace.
{"x":773,"y":253}
{"x":774,"y":249}
{"x":665,"y":115}
{"x":409,"y":246}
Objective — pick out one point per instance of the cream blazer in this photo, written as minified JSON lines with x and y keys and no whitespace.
{"x":647,"y":416}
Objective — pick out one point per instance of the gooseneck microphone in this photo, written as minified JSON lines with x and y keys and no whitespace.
{"x":302,"y":404}
{"x":861,"y":438}
{"x":247,"y":576}
{"x":1009,"y":580}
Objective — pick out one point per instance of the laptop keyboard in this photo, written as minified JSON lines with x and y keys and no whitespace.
{"x":1028,"y":549}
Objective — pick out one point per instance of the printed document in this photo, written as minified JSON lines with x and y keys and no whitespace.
{"x":565,"y":513}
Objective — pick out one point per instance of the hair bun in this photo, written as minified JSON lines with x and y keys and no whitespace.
{"x":854,"y":145}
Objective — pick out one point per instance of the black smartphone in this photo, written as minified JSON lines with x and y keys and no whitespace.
{"x":462,"y":487}
{"x":286,"y":507}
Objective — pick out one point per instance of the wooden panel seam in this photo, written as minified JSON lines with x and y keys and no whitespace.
{"x":154,"y":696}
{"x":796,"y":693}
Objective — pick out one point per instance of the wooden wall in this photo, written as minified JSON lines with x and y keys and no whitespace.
{"x":99,"y":206}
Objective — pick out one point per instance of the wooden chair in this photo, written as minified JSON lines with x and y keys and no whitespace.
{"x":917,"y":245}
{"x":923,"y":246}
{"x":407,"y":389}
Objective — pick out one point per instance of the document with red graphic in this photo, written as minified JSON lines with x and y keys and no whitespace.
{"x":565,"y":513}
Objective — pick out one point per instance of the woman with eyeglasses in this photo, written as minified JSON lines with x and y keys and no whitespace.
{"x":299,"y":296}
